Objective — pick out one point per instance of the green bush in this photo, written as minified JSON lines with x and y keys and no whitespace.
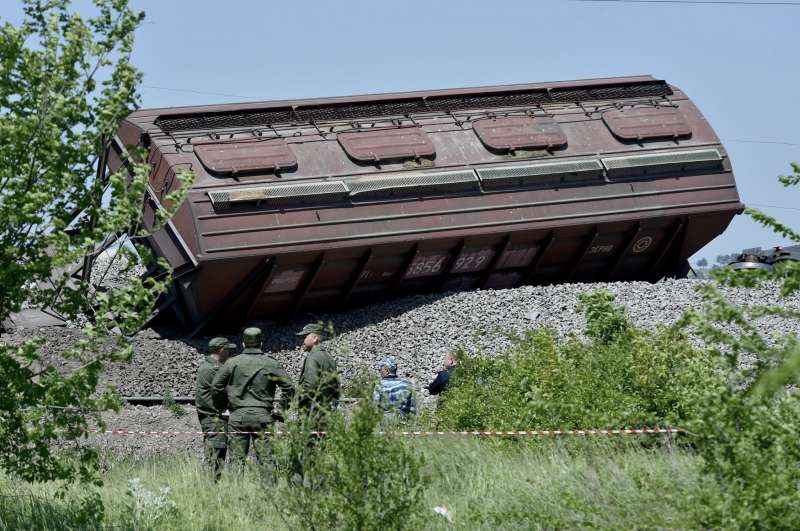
{"x":748,"y":428}
{"x":751,"y":446}
{"x":619,"y":376}
{"x":355,"y":478}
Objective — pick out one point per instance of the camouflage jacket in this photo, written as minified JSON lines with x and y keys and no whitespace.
{"x":250,"y":380}
{"x":203,"y":398}
{"x":319,"y":379}
{"x":395,"y":396}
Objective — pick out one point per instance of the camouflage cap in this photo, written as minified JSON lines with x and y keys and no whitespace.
{"x":317,"y":327}
{"x":219,"y":342}
{"x":252,"y":336}
{"x":390,"y":363}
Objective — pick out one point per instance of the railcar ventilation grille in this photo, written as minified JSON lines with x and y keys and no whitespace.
{"x":286,"y":194}
{"x":404,"y":107}
{"x":697,"y":159}
{"x":382,"y":186}
{"x":546,"y":173}
{"x":554,"y":95}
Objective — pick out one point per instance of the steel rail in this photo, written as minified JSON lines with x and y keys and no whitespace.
{"x":157,"y":400}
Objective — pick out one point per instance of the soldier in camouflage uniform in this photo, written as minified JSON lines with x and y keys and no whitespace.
{"x":210,"y":416}
{"x":319,"y":379}
{"x":319,"y":388}
{"x":248,"y":383}
{"x":395,"y":396}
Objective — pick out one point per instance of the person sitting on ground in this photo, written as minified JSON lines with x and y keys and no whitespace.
{"x":395,"y":396}
{"x":248,"y":383}
{"x":215,"y":440}
{"x":442,"y":380}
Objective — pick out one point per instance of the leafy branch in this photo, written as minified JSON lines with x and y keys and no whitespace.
{"x":66,"y":81}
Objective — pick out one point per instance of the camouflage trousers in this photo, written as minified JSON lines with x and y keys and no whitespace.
{"x":312,"y":420}
{"x":215,"y":442}
{"x":249,"y":419}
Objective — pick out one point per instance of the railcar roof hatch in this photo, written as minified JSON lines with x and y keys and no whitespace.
{"x":230,"y":158}
{"x":520,"y":132}
{"x":647,"y":123}
{"x":380,"y":145}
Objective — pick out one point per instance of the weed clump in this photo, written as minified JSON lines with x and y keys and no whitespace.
{"x":146,"y":507}
{"x":172,"y":406}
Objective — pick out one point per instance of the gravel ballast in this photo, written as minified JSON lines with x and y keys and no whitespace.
{"x":173,"y":435}
{"x":417,"y":330}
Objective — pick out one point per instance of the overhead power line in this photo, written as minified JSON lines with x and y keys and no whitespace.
{"x":202,"y":92}
{"x":772,"y":206}
{"x":775,"y":142}
{"x":701,"y":2}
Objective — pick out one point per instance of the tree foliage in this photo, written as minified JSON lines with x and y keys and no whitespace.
{"x":749,"y":432}
{"x":65,"y":82}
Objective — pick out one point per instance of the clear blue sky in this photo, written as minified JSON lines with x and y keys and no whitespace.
{"x":738,"y":63}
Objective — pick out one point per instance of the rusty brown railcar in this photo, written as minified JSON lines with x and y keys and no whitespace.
{"x":314,"y":205}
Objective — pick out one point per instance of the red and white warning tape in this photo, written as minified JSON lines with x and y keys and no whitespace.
{"x":529,"y":433}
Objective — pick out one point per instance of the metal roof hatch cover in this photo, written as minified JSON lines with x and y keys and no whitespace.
{"x":230,"y":158}
{"x":520,"y":132}
{"x":384,"y":144}
{"x":647,"y":123}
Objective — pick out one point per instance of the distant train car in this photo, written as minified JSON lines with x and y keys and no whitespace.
{"x":315,"y":205}
{"x":765,"y":260}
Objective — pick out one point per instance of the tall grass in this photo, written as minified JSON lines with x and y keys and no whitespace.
{"x":563,"y":484}
{"x":23,"y":507}
{"x":506,"y":485}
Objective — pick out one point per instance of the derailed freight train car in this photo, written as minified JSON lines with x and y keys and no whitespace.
{"x":314,"y":205}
